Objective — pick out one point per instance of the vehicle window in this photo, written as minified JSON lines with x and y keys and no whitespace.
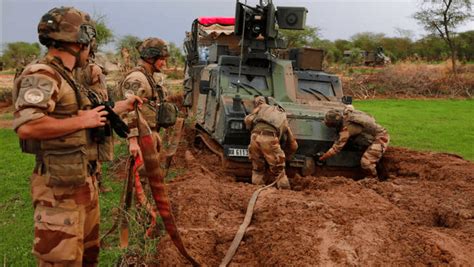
{"x":324,"y":88}
{"x":252,"y":84}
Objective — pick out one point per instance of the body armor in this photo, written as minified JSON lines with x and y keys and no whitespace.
{"x":272,"y":115}
{"x":64,"y":158}
{"x":370,"y":129}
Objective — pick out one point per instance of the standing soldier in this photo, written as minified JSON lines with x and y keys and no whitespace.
{"x":269,"y":127}
{"x":126,"y":59}
{"x":54,"y":118}
{"x":363,"y":130}
{"x":140,"y":82}
{"x":92,"y":77}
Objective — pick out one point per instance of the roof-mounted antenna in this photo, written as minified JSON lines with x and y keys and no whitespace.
{"x":242,"y":38}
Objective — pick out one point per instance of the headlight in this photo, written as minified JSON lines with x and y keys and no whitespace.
{"x":236,"y":125}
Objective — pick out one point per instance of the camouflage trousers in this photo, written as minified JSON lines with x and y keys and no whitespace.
{"x":263,"y":150}
{"x":374,"y":153}
{"x":66,"y":223}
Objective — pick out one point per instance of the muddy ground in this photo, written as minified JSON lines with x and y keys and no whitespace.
{"x":423,"y":214}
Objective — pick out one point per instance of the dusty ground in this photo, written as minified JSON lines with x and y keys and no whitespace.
{"x":423,"y":214}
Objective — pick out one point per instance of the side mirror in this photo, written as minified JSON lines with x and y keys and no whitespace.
{"x":347,"y":100}
{"x":204,"y":87}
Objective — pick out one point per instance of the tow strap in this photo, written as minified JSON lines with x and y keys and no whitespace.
{"x":243,"y":227}
{"x":156,"y":167}
{"x":155,"y":174}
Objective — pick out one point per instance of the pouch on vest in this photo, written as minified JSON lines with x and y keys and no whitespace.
{"x":30,"y":146}
{"x":166,"y":115}
{"x":66,"y":167}
{"x":70,"y":141}
{"x":106,"y":150}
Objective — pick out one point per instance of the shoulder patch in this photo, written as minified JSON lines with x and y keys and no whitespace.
{"x":35,"y":91}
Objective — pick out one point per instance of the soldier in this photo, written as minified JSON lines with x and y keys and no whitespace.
{"x":126,"y":59}
{"x":363,"y":130}
{"x":92,"y":77}
{"x":53,"y":118}
{"x":269,"y":127}
{"x":140,"y":82}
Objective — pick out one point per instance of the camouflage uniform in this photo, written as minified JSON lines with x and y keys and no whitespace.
{"x":141,"y":83}
{"x":92,"y":77}
{"x":269,"y":125}
{"x":63,"y":184}
{"x":362,"y":129}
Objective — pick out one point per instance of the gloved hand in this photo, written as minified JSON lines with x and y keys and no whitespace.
{"x":324,"y":157}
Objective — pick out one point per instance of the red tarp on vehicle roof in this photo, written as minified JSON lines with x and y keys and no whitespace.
{"x":217,"y":20}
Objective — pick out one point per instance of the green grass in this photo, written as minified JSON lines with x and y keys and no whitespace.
{"x":6,"y":116}
{"x":16,"y":210}
{"x":435,"y":125}
{"x":8,"y":72}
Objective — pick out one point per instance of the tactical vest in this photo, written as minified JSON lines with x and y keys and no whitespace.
{"x":370,"y":129}
{"x":157,"y":112}
{"x":149,"y":108}
{"x":272,"y":115}
{"x":64,"y":159}
{"x":103,"y":151}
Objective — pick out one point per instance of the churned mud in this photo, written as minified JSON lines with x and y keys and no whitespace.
{"x":422,"y":214}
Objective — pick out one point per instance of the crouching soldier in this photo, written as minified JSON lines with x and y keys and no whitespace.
{"x":269,"y":127}
{"x":363,"y":130}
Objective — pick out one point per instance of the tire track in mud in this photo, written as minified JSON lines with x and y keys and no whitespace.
{"x":423,"y":214}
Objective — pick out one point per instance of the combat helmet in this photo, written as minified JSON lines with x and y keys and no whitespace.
{"x":153,"y":48}
{"x":258,"y":100}
{"x":66,"y":24}
{"x":333,"y":118}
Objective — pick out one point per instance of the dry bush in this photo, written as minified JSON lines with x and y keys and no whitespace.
{"x":412,"y":80}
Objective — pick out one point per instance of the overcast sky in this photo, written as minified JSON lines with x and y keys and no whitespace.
{"x":170,"y":19}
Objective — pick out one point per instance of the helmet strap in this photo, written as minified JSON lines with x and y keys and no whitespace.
{"x":76,"y":54}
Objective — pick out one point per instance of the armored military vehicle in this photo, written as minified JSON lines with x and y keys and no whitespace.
{"x":373,"y":58}
{"x":231,"y":60}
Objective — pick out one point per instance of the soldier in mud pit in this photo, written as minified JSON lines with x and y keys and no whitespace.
{"x":269,"y":128}
{"x":140,"y":82}
{"x":362,"y":129}
{"x":54,"y":119}
{"x":92,"y":77}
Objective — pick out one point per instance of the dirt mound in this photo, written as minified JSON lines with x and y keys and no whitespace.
{"x":422,"y":214}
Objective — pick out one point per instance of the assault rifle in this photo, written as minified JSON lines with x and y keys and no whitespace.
{"x":114,"y":120}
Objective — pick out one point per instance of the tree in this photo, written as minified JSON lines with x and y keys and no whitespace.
{"x":367,"y":41}
{"x":176,"y":56}
{"x":19,"y":54}
{"x":431,"y":47}
{"x":104,"y":33}
{"x":442,"y":17}
{"x":397,"y":48}
{"x":129,"y":42}
{"x":465,"y":41}
{"x":341,"y":46}
{"x":300,"y":38}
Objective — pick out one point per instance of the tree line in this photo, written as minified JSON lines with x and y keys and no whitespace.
{"x":430,"y":48}
{"x":440,"y":18}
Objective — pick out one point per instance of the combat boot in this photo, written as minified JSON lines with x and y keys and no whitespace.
{"x":257,"y":178}
{"x":283,"y":183}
